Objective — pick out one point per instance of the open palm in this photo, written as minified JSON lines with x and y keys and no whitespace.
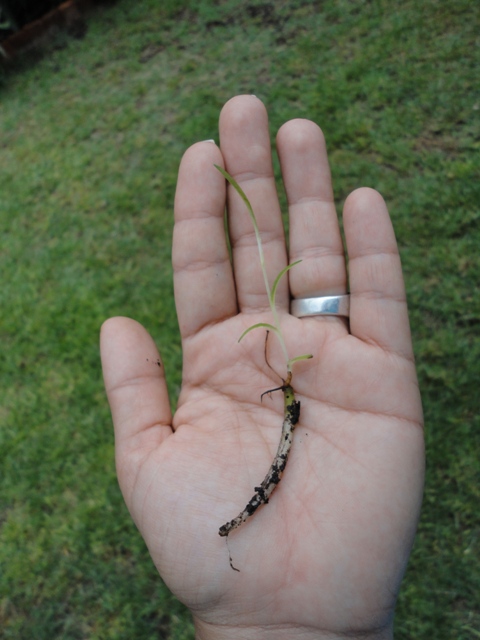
{"x":327,"y":554}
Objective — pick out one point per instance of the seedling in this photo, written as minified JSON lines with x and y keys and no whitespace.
{"x":291,"y":405}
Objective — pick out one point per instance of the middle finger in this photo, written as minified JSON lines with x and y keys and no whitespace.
{"x":245,"y":145}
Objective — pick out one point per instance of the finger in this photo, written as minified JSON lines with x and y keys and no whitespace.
{"x":315,"y":237}
{"x":378,"y":308}
{"x":245,"y":144}
{"x":203,"y":279}
{"x":136,"y":390}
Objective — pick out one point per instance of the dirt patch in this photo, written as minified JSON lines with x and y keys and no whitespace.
{"x":69,"y":17}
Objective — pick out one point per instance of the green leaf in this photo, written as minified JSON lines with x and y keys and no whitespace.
{"x":278,"y":278}
{"x":265,"y":325}
{"x":240,"y":192}
{"x":307,"y":356}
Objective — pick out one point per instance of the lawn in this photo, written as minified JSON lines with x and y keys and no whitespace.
{"x":91,"y":135}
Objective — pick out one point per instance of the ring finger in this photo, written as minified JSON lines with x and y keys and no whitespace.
{"x":315,"y":236}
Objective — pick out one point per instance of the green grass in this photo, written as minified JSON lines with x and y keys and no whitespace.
{"x":91,"y":134}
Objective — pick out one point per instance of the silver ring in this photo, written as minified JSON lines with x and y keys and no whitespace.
{"x":324,"y":306}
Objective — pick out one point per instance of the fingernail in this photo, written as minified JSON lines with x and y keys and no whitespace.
{"x":213,"y":141}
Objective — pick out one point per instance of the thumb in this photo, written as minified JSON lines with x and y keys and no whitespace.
{"x":137,"y":393}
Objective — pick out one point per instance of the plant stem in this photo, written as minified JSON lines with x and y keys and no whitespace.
{"x":271,"y":298}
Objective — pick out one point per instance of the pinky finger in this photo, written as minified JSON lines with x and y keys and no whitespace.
{"x":378,"y":308}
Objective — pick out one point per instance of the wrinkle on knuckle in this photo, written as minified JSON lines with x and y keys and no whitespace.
{"x":186,"y":217}
{"x":315,"y":252}
{"x":309,"y":203}
{"x":198,"y":265}
{"x":248,"y":239}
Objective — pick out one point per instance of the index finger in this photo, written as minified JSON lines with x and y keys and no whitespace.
{"x":203,"y":278}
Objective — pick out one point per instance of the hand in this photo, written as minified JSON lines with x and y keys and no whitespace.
{"x":326,"y":556}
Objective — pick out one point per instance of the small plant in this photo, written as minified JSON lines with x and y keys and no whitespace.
{"x":291,"y":405}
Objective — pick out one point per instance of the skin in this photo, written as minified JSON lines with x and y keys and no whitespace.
{"x":325,"y":557}
{"x":271,"y":481}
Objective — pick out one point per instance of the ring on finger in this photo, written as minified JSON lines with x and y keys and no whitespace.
{"x":321,"y":306}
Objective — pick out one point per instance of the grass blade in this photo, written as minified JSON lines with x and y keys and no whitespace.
{"x":278,"y":278}
{"x":265,"y":325}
